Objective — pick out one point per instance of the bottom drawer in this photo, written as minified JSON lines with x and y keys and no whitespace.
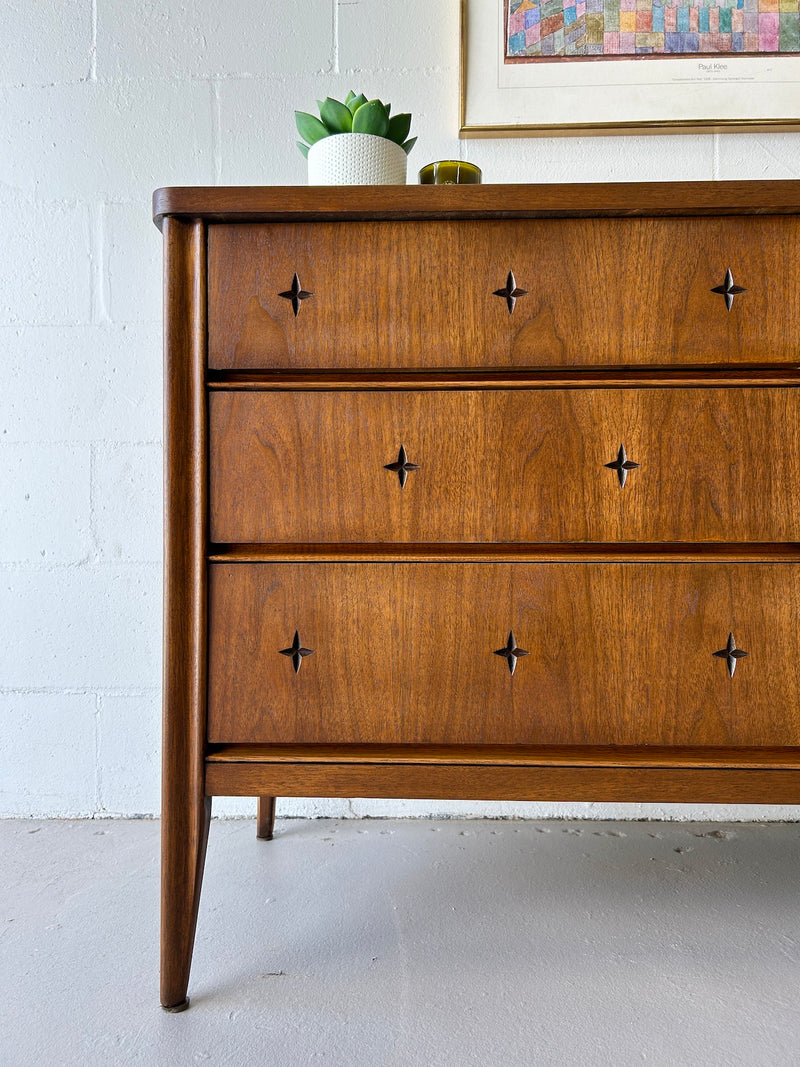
{"x":602,"y":653}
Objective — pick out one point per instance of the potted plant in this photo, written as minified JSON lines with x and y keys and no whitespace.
{"x":358,"y":142}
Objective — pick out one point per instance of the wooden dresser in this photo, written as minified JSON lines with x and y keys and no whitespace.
{"x":479,"y":492}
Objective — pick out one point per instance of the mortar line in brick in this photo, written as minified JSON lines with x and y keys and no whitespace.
{"x":425,"y":71}
{"x":12,"y":566}
{"x":216,"y":133}
{"x":110,"y":326}
{"x":98,"y":311}
{"x":282,"y":79}
{"x":80,"y":691}
{"x":98,"y":773}
{"x":93,"y":49}
{"x":111,"y":444}
{"x":94,"y":545}
{"x":71,"y":442}
{"x":335,"y":56}
{"x":92,"y":562}
{"x":59,"y":324}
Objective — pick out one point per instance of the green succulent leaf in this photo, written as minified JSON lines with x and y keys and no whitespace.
{"x":309,"y":127}
{"x":371,"y":118}
{"x":336,"y":116}
{"x":356,"y":114}
{"x":399,"y":125}
{"x":357,"y":102}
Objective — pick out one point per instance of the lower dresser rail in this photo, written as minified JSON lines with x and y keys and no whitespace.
{"x":727,"y":776}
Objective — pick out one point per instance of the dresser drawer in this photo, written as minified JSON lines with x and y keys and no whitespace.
{"x":598,"y":292}
{"x":615,"y":653}
{"x":529,"y":465}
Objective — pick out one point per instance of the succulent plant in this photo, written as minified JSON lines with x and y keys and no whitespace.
{"x":355,"y":115}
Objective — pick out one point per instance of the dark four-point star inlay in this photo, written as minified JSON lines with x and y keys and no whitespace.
{"x":512,"y":652}
{"x":511,"y":292}
{"x":728,"y":289}
{"x":622,"y":465}
{"x":730,"y":653}
{"x":296,"y":294}
{"x":296,"y":652}
{"x":402,"y":466}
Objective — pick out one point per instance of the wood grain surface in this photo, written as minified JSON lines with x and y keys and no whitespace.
{"x":609,"y":292}
{"x":593,"y":784}
{"x":265,"y":818}
{"x":358,"y":552}
{"x":619,"y":654}
{"x":514,"y":755}
{"x":284,"y":530}
{"x":186,"y":810}
{"x":505,"y":466}
{"x":359,"y":203}
{"x":742,"y":376}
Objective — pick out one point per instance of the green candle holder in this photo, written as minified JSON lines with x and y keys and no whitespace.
{"x":450,"y":172}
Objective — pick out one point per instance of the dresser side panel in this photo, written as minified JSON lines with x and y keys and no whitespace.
{"x":185,"y":808}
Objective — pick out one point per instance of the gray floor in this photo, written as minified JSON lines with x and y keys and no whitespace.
{"x":409,"y":943}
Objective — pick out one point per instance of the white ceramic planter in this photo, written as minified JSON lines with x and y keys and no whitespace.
{"x":356,"y":159}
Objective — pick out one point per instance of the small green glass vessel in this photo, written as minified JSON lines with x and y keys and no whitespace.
{"x":450,"y":172}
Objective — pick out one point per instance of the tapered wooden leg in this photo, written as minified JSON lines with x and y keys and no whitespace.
{"x":185,"y":809}
{"x":265,"y":822}
{"x":183,"y":855}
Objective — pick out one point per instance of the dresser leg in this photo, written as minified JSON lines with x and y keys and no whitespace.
{"x":265,"y":821}
{"x":183,"y":856}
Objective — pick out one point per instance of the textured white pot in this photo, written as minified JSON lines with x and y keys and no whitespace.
{"x":356,"y":159}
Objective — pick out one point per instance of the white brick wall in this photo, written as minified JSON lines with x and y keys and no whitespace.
{"x":101,"y":101}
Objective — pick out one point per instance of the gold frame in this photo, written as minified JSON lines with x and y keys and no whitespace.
{"x":585,"y":129}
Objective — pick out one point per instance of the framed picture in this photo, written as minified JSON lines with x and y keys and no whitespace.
{"x":539,"y":67}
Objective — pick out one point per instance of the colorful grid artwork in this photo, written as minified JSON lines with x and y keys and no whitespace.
{"x":553,"y":28}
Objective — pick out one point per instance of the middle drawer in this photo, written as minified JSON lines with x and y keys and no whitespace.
{"x":505,"y":465}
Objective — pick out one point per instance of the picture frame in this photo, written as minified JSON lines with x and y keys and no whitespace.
{"x":507,"y":95}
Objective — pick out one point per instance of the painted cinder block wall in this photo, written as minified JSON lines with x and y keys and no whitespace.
{"x":101,"y":101}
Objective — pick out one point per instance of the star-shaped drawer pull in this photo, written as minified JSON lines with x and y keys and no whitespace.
{"x":296,"y":294}
{"x":511,"y":652}
{"x":511,"y":293}
{"x":296,"y":652}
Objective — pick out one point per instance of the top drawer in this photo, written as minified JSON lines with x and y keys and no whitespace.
{"x":597,"y":292}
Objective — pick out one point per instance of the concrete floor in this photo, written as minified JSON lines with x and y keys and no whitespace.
{"x":409,"y":944}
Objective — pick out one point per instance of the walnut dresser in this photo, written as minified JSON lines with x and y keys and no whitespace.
{"x":477,"y":492}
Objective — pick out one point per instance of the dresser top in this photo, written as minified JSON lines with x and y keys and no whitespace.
{"x":339,"y":203}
